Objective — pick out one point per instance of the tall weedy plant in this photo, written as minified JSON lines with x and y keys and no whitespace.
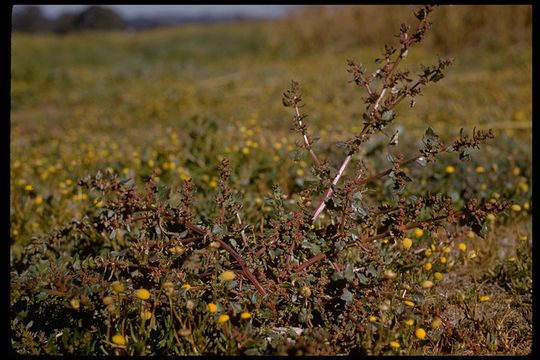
{"x":138,"y":275}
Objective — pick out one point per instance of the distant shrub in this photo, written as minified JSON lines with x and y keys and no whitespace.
{"x":98,"y":18}
{"x":30,"y":19}
{"x":332,"y":27}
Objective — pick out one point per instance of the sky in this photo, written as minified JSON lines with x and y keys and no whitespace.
{"x":131,"y":11}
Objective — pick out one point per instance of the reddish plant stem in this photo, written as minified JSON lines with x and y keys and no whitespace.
{"x":247,"y":273}
{"x":345,"y":163}
{"x":330,"y":190}
{"x":242,"y":263}
{"x":310,"y":262}
{"x":306,"y":140}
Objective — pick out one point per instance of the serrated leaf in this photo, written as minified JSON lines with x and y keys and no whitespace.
{"x":365,"y":117}
{"x":387,"y":115}
{"x":216,"y":229}
{"x":313,"y":248}
{"x":349,"y":272}
{"x":436,"y":77}
{"x":371,"y":271}
{"x":236,"y":306}
{"x":340,"y":245}
{"x":346,"y":295}
{"x":422,"y":161}
{"x":362,"y":278}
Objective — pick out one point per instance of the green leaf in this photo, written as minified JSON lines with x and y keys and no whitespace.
{"x":371,"y":271}
{"x":363,"y":279}
{"x":388,"y":115}
{"x":349,"y":273}
{"x":347,"y":296}
{"x":313,"y":248}
{"x":437,"y":76}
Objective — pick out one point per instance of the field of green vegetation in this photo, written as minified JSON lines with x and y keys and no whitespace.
{"x":169,"y":105}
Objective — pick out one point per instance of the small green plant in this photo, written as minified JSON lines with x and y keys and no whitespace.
{"x":346,"y":267}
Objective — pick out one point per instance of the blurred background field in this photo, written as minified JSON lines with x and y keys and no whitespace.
{"x":176,"y":100}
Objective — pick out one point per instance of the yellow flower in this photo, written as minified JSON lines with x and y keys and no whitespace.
{"x":212,"y":308}
{"x":428,"y":266}
{"x":389,"y":274}
{"x":418,"y":232}
{"x":480,"y":170}
{"x":223,"y":318}
{"x":107,"y":300}
{"x":176,"y":250}
{"x":394,"y":344}
{"x":28,"y":187}
{"x":420,"y":333}
{"x":245,"y":150}
{"x":438,"y":276}
{"x":462,"y":246}
{"x":258,"y":201}
{"x":408,"y":303}
{"x":119,"y":339}
{"x":443,"y":260}
{"x":447,"y":249}
{"x":186,"y":286}
{"x":483,"y":298}
{"x":470,"y":234}
{"x":516,"y":208}
{"x":516,"y":171}
{"x":409,"y":322}
{"x":168,"y":286}
{"x":75,"y":303}
{"x":215,"y":245}
{"x":305,"y":291}
{"x":245,"y":315}
{"x":526,"y":205}
{"x":299,"y":172}
{"x":38,"y":200}
{"x":428,"y":253}
{"x":117,"y":287}
{"x":213,"y":184}
{"x":372,"y":318}
{"x":523,"y":237}
{"x":490,"y":217}
{"x":227,"y":275}
{"x":406,"y":243}
{"x":523,"y":187}
{"x":436,"y":322}
{"x":427,"y":284}
{"x":450,"y":169}
{"x":146,"y":314}
{"x":142,"y":294}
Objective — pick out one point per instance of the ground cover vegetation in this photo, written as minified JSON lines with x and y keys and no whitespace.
{"x":174,"y":192}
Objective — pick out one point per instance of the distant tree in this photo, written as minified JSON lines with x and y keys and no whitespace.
{"x":64,"y":23}
{"x":98,"y":18}
{"x":29,"y":19}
